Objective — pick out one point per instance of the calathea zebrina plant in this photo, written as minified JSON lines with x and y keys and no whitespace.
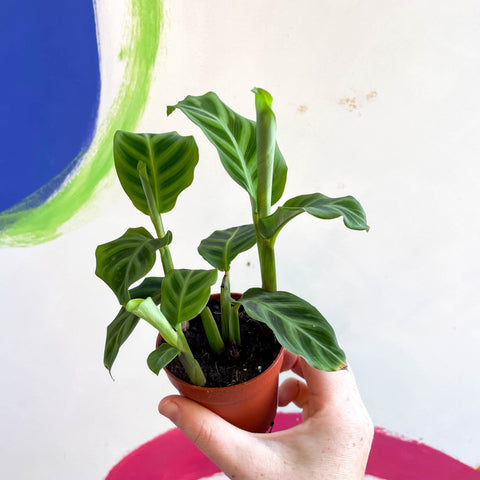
{"x":154,"y":169}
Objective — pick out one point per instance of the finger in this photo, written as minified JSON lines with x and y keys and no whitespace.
{"x":329,"y":386}
{"x":295,"y":363}
{"x":289,"y":361}
{"x":213,"y":435}
{"x":325,"y":386}
{"x":293,"y":390}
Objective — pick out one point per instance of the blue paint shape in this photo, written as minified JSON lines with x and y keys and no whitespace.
{"x":50,"y":84}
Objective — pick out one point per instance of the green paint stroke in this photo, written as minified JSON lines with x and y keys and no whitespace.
{"x":24,"y":226}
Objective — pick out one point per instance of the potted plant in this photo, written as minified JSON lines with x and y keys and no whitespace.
{"x":196,"y":330}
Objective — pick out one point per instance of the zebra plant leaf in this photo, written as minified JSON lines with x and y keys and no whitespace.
{"x":150,"y":287}
{"x":117,"y":332}
{"x":319,"y":206}
{"x":125,"y":260}
{"x":185,"y":293}
{"x":161,"y":357}
{"x":234,"y":137}
{"x":298,"y":326}
{"x":222,"y":246}
{"x":170,"y":160}
{"x":125,"y":322}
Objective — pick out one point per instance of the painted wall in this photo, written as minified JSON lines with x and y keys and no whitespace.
{"x":378,"y":99}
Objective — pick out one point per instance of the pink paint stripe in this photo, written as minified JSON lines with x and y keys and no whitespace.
{"x":396,"y":458}
{"x":172,"y":456}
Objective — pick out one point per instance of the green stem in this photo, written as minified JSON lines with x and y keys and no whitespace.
{"x":267,"y":266}
{"x":266,"y":255}
{"x":192,"y":367}
{"x":229,"y":313}
{"x":235,"y":325}
{"x":211,"y":330}
{"x":225,"y":307}
{"x":165,"y":255}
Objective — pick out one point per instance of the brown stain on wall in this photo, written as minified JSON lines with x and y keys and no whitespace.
{"x":350,"y":103}
{"x":355,"y":103}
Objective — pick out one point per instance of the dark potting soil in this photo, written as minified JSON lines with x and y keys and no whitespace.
{"x":238,"y":363}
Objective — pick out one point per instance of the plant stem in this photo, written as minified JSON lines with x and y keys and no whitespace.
{"x":235,"y":325}
{"x":266,"y":255}
{"x":211,"y":330}
{"x":192,"y":367}
{"x":187,"y":359}
{"x":225,"y":307}
{"x":165,"y":255}
{"x":229,"y":313}
{"x":267,"y":265}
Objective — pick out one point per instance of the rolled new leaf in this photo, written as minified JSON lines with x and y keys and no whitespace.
{"x":170,"y":160}
{"x":234,"y":137}
{"x":298,"y":326}
{"x":319,"y":206}
{"x":146,"y":309}
{"x":185,"y":293}
{"x":127,"y":259}
{"x":125,"y":322}
{"x":266,"y":141}
{"x":222,"y":246}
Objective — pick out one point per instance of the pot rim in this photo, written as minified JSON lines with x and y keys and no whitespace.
{"x":278,"y":358}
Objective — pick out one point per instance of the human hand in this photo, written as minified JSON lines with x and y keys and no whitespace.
{"x":332,"y":442}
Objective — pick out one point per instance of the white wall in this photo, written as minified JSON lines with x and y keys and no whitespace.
{"x":378,"y":99}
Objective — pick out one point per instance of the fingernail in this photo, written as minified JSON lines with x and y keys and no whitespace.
{"x":170,"y":410}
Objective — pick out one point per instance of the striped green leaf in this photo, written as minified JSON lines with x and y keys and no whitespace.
{"x":150,"y":287}
{"x":298,"y":326}
{"x":234,"y":137}
{"x":117,"y":332}
{"x":185,"y":293}
{"x":222,"y":246}
{"x":125,"y":322}
{"x":319,"y":206}
{"x":125,"y":260}
{"x":170,"y":160}
{"x":161,"y":357}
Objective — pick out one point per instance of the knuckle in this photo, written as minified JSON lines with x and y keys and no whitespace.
{"x":204,"y":435}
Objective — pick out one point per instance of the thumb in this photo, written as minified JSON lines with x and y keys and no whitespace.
{"x":215,"y":437}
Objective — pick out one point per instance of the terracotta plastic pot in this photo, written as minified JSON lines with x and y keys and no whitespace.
{"x":250,"y":406}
